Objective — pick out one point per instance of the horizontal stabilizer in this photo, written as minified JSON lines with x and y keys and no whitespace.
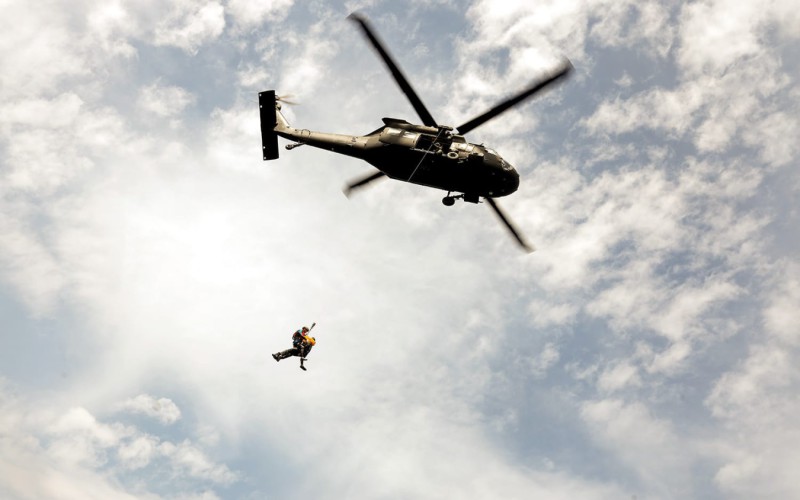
{"x":269,"y":139}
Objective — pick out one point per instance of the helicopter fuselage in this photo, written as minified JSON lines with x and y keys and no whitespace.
{"x":419,"y":154}
{"x":429,"y":155}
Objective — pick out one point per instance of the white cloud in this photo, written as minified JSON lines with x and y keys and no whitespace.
{"x":770,"y":133}
{"x":190,"y":24}
{"x":591,"y":217}
{"x":38,"y":53}
{"x":110,"y":24}
{"x":654,"y":108}
{"x":536,"y":37}
{"x":455,"y":463}
{"x":544,"y":360}
{"x":29,"y":265}
{"x":618,"y":377}
{"x":689,"y":303}
{"x":162,"y":409}
{"x":189,"y":459}
{"x":25,"y":473}
{"x":646,"y":443}
{"x":640,"y":25}
{"x":756,"y":405}
{"x":728,"y":84}
{"x":138,"y":453}
{"x":249,"y":14}
{"x":78,"y":438}
{"x":42,"y":154}
{"x":46,"y":452}
{"x":782,"y":311}
{"x":673,"y":358}
{"x":206,"y":495}
{"x":308,"y":69}
{"x":717,"y":33}
{"x":165,"y":100}
{"x":57,"y":113}
{"x":544,"y":313}
{"x":190,"y":256}
{"x":750,"y":391}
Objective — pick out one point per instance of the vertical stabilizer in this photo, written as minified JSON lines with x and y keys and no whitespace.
{"x":269,"y":139}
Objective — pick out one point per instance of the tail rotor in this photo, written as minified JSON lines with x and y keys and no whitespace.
{"x":287,"y":99}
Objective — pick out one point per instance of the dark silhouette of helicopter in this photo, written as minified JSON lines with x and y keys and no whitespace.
{"x":430,"y":155}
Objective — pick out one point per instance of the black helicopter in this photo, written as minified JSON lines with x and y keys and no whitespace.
{"x":430,"y":155}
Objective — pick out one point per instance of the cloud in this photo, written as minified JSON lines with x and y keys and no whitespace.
{"x":547,"y":313}
{"x":177,"y":250}
{"x":544,"y":360}
{"x":188,"y":459}
{"x":769,"y":135}
{"x":80,"y":439}
{"x":190,"y":24}
{"x":138,"y":453}
{"x":37,"y":54}
{"x":75,"y":138}
{"x":250,"y":14}
{"x":620,"y":376}
{"x":656,"y":108}
{"x":755,"y":404}
{"x":165,"y":100}
{"x":29,"y":265}
{"x":715,"y":34}
{"x":644,"y":25}
{"x":162,"y":409}
{"x":646,"y":443}
{"x":302,"y":74}
{"x":389,"y":449}
{"x":726,"y":89}
{"x":781,"y":314}
{"x":47,"y":452}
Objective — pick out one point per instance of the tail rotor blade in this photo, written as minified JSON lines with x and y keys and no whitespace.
{"x":287,"y":99}
{"x":538,"y":86}
{"x":511,"y":228}
{"x":401,"y":80}
{"x":362,"y":182}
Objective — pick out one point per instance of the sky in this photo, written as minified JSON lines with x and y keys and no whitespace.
{"x":151,"y":262}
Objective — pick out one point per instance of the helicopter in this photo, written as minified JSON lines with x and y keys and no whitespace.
{"x":430,"y":154}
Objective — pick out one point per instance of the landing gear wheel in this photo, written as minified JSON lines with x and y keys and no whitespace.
{"x":448,"y":201}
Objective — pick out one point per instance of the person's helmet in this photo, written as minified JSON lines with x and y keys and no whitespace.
{"x":305,"y":328}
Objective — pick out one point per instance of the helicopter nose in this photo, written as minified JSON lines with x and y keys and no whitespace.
{"x":510,"y":180}
{"x":513,"y":179}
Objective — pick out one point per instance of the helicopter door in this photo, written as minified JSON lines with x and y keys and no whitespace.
{"x":433,"y":144}
{"x":426,"y":142}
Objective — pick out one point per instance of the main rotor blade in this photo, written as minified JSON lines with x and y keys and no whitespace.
{"x":401,"y":80}
{"x":361,"y":182}
{"x":540,"y":85}
{"x":510,"y":226}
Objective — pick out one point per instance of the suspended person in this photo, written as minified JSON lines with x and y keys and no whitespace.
{"x":302,"y":343}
